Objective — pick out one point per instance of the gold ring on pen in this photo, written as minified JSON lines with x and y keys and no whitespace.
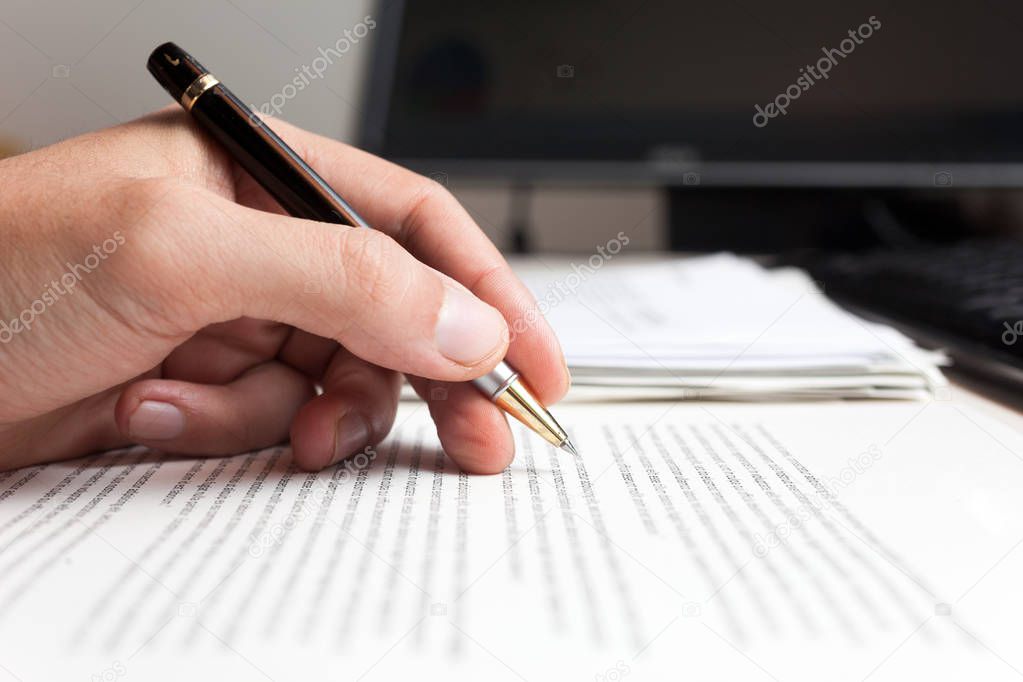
{"x":197,"y":88}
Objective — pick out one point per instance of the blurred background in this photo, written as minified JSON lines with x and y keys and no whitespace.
{"x":72,"y":67}
{"x":560,"y":124}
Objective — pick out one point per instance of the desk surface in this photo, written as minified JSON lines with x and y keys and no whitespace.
{"x":997,"y":401}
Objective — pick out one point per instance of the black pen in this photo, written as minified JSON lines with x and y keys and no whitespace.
{"x":304,"y":194}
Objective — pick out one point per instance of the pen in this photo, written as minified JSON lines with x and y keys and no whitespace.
{"x":304,"y":194}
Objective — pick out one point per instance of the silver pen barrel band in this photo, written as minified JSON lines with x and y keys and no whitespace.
{"x":196,"y":89}
{"x":497,"y":380}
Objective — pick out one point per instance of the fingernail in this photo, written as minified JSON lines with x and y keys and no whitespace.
{"x":153,"y":420}
{"x":351,"y":434}
{"x":468,"y":330}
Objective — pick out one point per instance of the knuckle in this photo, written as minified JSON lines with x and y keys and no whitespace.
{"x":429,"y":198}
{"x":373,"y":270}
{"x":357,"y":377}
{"x":163,"y":272}
{"x":143,"y":195}
{"x":434,"y":190}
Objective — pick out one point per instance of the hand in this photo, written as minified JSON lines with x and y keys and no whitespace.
{"x":152,"y":293}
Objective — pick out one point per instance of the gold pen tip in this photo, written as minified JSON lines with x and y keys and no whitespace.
{"x":568,"y":447}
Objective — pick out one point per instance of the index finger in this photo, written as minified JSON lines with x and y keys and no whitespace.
{"x":422,"y":216}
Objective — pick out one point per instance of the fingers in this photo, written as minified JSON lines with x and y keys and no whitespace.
{"x":424,"y":218}
{"x":472,"y":430}
{"x":78,"y":429}
{"x":355,"y":286}
{"x":356,"y":409}
{"x":252,"y":412}
{"x":221,"y":352}
{"x":307,"y":353}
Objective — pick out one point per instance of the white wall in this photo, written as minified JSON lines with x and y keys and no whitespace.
{"x":68,"y":67}
{"x":102,"y":46}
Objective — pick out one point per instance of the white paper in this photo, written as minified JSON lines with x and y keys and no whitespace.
{"x":718,"y":323}
{"x":799,"y":542}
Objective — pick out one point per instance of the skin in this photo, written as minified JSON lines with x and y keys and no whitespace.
{"x":232,"y":313}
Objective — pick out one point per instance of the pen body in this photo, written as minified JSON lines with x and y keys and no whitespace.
{"x":273,"y":164}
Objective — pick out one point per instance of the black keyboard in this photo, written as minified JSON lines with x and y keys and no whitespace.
{"x":967,"y":297}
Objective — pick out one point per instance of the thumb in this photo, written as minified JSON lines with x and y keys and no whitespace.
{"x":354,"y":285}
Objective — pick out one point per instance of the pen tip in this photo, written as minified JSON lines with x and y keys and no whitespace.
{"x":568,"y":447}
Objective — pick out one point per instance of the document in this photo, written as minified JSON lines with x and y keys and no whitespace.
{"x":719,"y":326}
{"x":688,"y":541}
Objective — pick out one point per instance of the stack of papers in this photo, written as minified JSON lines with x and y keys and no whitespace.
{"x":719,"y":327}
